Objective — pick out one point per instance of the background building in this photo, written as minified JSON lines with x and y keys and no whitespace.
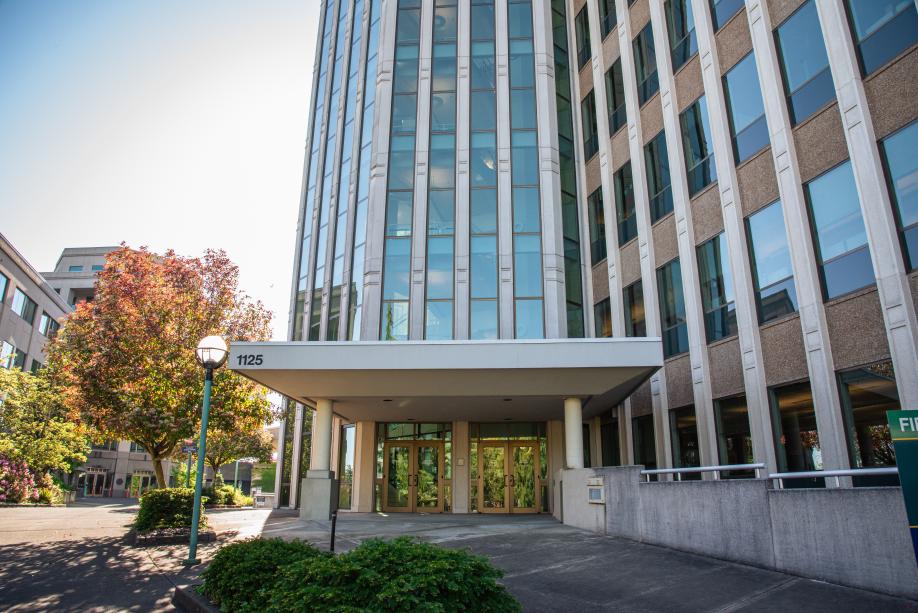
{"x":30,"y":311}
{"x":735,"y":178}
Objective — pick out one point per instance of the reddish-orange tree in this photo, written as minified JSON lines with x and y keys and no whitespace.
{"x":126,"y":360}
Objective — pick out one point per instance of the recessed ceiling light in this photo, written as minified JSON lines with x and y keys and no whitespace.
{"x":508,"y":399}
{"x":387,"y":400}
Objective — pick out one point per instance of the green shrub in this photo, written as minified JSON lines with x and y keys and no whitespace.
{"x":226,"y":495}
{"x":167,"y":508}
{"x":241,"y":576}
{"x":400,"y":575}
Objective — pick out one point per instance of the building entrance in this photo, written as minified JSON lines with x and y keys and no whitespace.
{"x":413,"y":476}
{"x":507,"y":477}
{"x":96,"y":483}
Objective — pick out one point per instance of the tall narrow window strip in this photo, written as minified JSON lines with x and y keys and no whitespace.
{"x":590,"y":126}
{"x":582,"y":32}
{"x":645,"y":65}
{"x":723,"y":11}
{"x":624,"y":204}
{"x":615,"y":97}
{"x":597,"y":227}
{"x":608,"y":18}
{"x":635,"y":324}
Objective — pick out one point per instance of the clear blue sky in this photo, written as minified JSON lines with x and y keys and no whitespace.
{"x":167,"y":123}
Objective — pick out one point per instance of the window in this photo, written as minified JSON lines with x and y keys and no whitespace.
{"x":582,"y":32}
{"x":75,"y":269}
{"x":47,"y":326}
{"x":105,"y":446}
{"x":587,"y":461}
{"x":4,"y":285}
{"x":346,"y":466}
{"x":611,"y":450}
{"x":672,"y":309}
{"x":624,"y":204}
{"x":716,"y":289}
{"x":645,"y":447}
{"x":633,"y":296}
{"x":615,"y":97}
{"x":773,"y":276}
{"x":597,"y":227}
{"x":723,"y":10}
{"x":137,"y":448}
{"x":804,"y":63}
{"x":902,"y":173}
{"x":24,"y":306}
{"x":839,"y":234}
{"x":734,"y":437}
{"x":35,"y":367}
{"x":10,"y":357}
{"x":748,"y":127}
{"x":794,"y":422}
{"x":683,"y":427}
{"x":590,"y":126}
{"x":645,"y":64}
{"x":882,"y":29}
{"x":602,"y":318}
{"x":658,"y":181}
{"x":697,"y":146}
{"x":866,"y":394}
{"x":607,"y":16}
{"x":97,"y":267}
{"x":680,"y":24}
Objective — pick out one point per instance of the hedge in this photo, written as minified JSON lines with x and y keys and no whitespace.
{"x":399,"y":575}
{"x":167,"y":508}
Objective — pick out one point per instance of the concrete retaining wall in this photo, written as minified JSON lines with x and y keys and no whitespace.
{"x":857,"y":537}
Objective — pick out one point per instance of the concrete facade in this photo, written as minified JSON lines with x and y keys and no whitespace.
{"x":856,"y":537}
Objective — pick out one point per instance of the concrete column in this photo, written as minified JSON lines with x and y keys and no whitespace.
{"x":321,"y":437}
{"x":460,"y":460}
{"x":279,"y":465}
{"x":879,"y":220}
{"x":573,"y":433}
{"x":364,"y":467}
{"x":813,"y":322}
{"x":504,"y":178}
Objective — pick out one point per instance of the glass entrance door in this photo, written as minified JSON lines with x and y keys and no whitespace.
{"x":493,"y":477}
{"x":413,"y":476}
{"x":94,"y":483}
{"x":508,"y":474}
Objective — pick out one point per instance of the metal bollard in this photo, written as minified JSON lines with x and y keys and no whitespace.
{"x":334,"y":519}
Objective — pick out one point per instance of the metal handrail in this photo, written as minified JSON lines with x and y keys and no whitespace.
{"x":848,"y":472}
{"x":703,"y":469}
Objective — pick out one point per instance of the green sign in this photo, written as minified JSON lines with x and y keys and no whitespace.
{"x":903,"y":426}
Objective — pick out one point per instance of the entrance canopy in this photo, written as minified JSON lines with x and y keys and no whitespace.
{"x":453,"y":380}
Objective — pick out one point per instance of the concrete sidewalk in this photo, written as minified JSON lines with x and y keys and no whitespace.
{"x":551,"y":567}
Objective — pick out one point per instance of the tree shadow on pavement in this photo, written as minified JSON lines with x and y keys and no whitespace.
{"x":80,"y":575}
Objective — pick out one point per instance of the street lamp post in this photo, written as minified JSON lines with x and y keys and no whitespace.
{"x":211,"y":354}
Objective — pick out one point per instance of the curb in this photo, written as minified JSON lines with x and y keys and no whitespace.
{"x":173,"y":538}
{"x":188,"y":599}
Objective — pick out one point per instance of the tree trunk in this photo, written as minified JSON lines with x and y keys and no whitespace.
{"x":160,"y":477}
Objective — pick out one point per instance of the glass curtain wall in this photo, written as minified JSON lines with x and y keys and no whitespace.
{"x":329,"y":167}
{"x":347,"y":170}
{"x":441,"y":197}
{"x":400,"y":198}
{"x":524,"y":166}
{"x":483,"y":305}
{"x":573,"y":280}
{"x":318,"y":121}
{"x":355,"y":309}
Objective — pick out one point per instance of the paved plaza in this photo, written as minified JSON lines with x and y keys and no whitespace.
{"x":73,"y":559}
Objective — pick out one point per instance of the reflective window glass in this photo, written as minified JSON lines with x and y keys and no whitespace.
{"x":882,"y":30}
{"x":483,"y":159}
{"x":615,"y":97}
{"x":867,"y":393}
{"x":645,"y":65}
{"x":529,"y":319}
{"x":483,"y":217}
{"x":748,"y":127}
{"x":717,"y":294}
{"x":522,"y":109}
{"x":442,"y":161}
{"x":602,"y":318}
{"x":607,"y":16}
{"x":902,"y":173}
{"x":597,"y":227}
{"x":804,"y":63}
{"x":773,"y":275}
{"x":524,"y":160}
{"x":734,"y":437}
{"x":697,"y":146}
{"x":658,"y":179}
{"x":624,"y":204}
{"x":796,"y":436}
{"x":398,"y":213}
{"x":483,"y":320}
{"x":634,"y":310}
{"x":397,"y":269}
{"x":526,"y":210}
{"x":672,"y":309}
{"x":680,"y":24}
{"x":841,"y":239}
{"x":527,"y":266}
{"x":723,"y":10}
{"x":440,"y":267}
{"x":582,"y":33}
{"x":484,"y":106}
{"x":590,"y":126}
{"x":438,"y":321}
{"x":522,"y":69}
{"x":483,"y":267}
